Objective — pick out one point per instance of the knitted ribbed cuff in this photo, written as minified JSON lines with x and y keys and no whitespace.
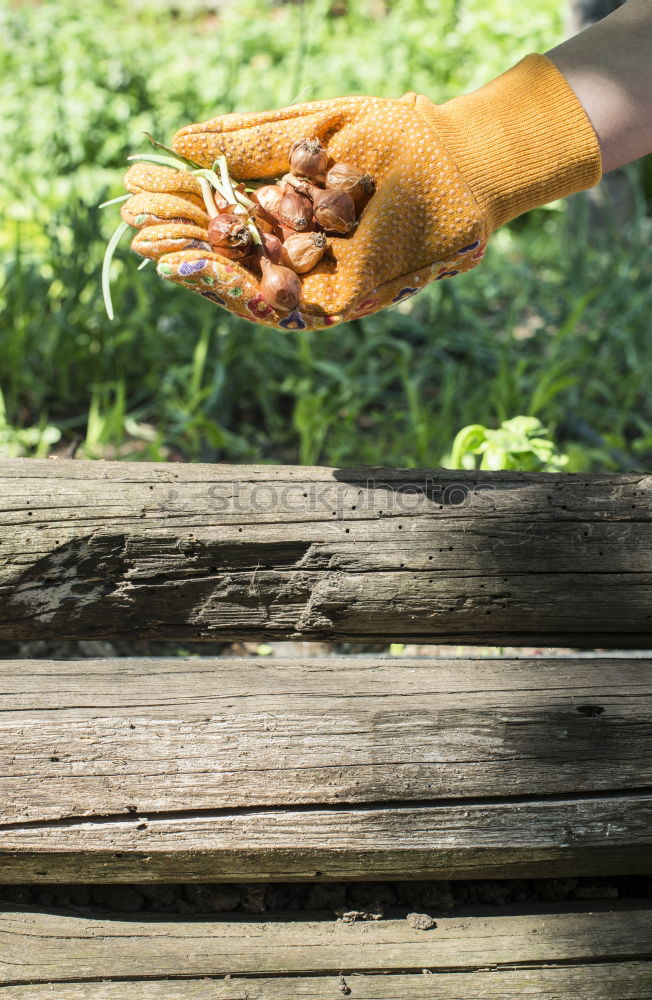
{"x":521,"y":141}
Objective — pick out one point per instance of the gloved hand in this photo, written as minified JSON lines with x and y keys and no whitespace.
{"x":446,"y":177}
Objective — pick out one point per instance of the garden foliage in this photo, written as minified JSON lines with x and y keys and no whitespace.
{"x":553,"y":324}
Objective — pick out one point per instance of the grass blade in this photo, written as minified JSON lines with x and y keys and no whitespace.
{"x":173,"y":152}
{"x":106,"y":266}
{"x":115,"y":201}
{"x":166,"y":161}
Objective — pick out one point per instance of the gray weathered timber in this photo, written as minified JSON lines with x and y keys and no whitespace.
{"x":604,"y":981}
{"x":544,"y":837}
{"x":232,"y":769}
{"x":91,"y":738}
{"x":53,"y":947}
{"x":100,"y":549}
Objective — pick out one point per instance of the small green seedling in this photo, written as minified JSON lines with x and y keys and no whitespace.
{"x":520,"y":443}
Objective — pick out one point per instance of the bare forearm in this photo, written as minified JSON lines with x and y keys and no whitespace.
{"x":609,"y":67}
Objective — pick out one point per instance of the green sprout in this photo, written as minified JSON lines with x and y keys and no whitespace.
{"x":208,"y":179}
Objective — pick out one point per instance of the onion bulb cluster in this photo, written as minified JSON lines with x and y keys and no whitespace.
{"x":285,"y":232}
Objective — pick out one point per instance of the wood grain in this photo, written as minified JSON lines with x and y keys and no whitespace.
{"x":168,"y":551}
{"x":236,"y":769}
{"x":51,"y":947}
{"x":604,"y":981}
{"x":571,"y":836}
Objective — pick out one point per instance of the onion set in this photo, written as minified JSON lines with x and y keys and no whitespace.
{"x":278,"y":229}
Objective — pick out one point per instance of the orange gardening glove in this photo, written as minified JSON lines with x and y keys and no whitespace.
{"x":446,"y":177}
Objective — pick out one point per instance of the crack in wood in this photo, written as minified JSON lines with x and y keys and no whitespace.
{"x":335,"y":971}
{"x":129,"y":817}
{"x":515,"y":554}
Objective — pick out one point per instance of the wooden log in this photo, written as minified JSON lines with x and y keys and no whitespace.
{"x":168,"y":551}
{"x":606,"y":948}
{"x":235,"y":769}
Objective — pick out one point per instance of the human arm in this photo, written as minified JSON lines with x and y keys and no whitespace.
{"x":446,"y":175}
{"x":609,"y":68}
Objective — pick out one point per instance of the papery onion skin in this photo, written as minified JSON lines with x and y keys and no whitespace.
{"x":280,"y":287}
{"x":234,"y":253}
{"x":308,"y":158}
{"x":303,"y":251}
{"x":273,"y":248}
{"x":269,"y":197}
{"x":295,"y":210}
{"x":230,"y":231}
{"x":334,"y":211}
{"x":344,"y":177}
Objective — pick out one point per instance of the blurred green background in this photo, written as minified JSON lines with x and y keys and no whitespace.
{"x":553,"y":325}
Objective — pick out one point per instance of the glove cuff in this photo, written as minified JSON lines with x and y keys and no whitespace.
{"x":520,"y":141}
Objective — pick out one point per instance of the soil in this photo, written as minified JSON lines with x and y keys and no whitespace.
{"x":419,"y":902}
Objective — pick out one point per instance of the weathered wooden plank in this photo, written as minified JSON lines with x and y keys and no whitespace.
{"x":91,"y":738}
{"x":233,"y":769}
{"x":51,"y":947}
{"x":504,"y":839}
{"x":604,"y":981}
{"x":90,"y":549}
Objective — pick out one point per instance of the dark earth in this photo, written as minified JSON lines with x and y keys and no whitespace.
{"x":348,"y":900}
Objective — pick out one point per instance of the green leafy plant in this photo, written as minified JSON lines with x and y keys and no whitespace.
{"x":553,"y":324}
{"x":33,"y":442}
{"x":520,"y":443}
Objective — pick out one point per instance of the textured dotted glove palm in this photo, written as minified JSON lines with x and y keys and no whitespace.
{"x":446,"y":176}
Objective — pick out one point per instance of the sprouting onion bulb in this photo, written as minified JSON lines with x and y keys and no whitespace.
{"x":343,"y":177}
{"x":280,"y":286}
{"x":272,"y":248}
{"x":275,"y":227}
{"x":295,"y":210}
{"x":308,"y":158}
{"x":334,"y":210}
{"x":226,"y":230}
{"x":269,"y":197}
{"x":303,"y":251}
